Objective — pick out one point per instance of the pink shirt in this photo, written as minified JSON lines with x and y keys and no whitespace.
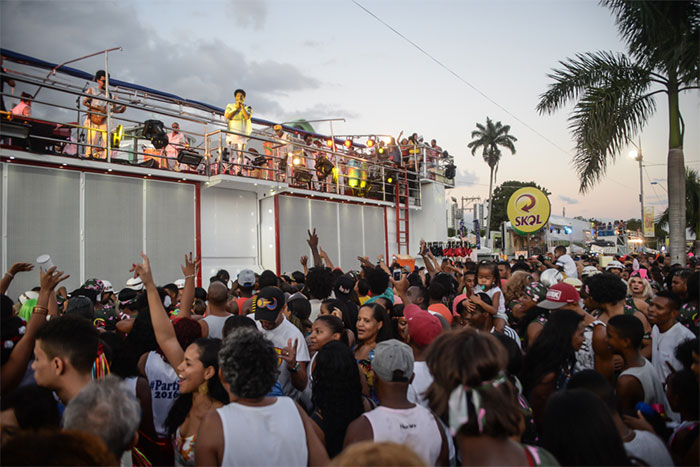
{"x":22,"y":109}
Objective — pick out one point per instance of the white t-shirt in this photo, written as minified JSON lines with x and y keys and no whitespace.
{"x":269,"y":435}
{"x":415,"y":427}
{"x":421,"y":381}
{"x":216,"y":324}
{"x":501,"y":312}
{"x":315,"y":309}
{"x":165,"y":389}
{"x":569,"y":266}
{"x":663,"y":347}
{"x":279,"y":337}
{"x":649,"y":448}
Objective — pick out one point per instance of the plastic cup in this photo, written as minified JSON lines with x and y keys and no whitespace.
{"x":44,"y":262}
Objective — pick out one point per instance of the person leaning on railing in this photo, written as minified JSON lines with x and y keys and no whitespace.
{"x":96,"y":120}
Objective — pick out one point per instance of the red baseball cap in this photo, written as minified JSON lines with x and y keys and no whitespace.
{"x":423,"y":327}
{"x":559,"y":295}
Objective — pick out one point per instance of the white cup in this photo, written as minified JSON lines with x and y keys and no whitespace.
{"x":44,"y":262}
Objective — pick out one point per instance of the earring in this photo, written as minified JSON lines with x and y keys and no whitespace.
{"x":203,"y":389}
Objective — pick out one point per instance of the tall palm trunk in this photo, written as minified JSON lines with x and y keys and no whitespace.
{"x":488,"y":222}
{"x":676,"y":180}
{"x":676,"y":206}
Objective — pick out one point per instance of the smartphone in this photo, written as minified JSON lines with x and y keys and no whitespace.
{"x":397,"y":274}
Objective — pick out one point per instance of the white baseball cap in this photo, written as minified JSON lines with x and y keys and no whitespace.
{"x":134,"y":283}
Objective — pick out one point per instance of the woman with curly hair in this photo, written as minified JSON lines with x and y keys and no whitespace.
{"x":514,"y":290}
{"x":515,"y":287}
{"x":472,"y":395}
{"x":550,"y":361}
{"x":336,"y":393}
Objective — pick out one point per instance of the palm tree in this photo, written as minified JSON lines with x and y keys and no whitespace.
{"x":615,"y":93}
{"x":692,"y":206}
{"x":489,"y":138}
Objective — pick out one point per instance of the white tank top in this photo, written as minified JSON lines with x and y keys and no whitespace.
{"x":216,"y":324}
{"x":416,"y":428}
{"x":163,"y":381}
{"x":270,"y":435}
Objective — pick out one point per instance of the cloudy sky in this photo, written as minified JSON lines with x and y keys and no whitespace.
{"x":332,"y":59}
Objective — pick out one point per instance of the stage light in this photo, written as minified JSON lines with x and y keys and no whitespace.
{"x":329,"y":143}
{"x":380,"y":151}
{"x":189,"y":157}
{"x":297,"y":157}
{"x":324,"y":167}
{"x":371,"y":141}
{"x":450,"y":171}
{"x":390,"y":180}
{"x":154,"y":131}
{"x":348,"y":142}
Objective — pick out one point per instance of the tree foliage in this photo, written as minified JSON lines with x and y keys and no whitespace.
{"x":502,"y":194}
{"x":614,"y":94}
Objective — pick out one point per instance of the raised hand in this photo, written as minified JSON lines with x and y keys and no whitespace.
{"x":143,"y":270}
{"x":20,"y":267}
{"x":289,"y":353}
{"x":401,"y":285}
{"x":313,"y":239}
{"x":51,"y":278}
{"x":304,"y":260}
{"x":191,"y":266}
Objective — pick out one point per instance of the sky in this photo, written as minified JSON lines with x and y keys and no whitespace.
{"x":331,"y":59}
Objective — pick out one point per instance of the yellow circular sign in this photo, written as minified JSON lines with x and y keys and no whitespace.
{"x":528,"y":210}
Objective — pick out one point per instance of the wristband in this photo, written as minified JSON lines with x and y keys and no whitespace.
{"x":10,"y":274}
{"x":191,"y":275}
{"x":40,"y":309}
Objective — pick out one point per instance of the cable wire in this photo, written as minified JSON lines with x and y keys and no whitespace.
{"x":449,"y":70}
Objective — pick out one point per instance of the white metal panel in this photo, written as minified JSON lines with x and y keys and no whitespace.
{"x":268,"y":249}
{"x":351,"y":236}
{"x":324,"y":218}
{"x":169,"y":227}
{"x":113,"y":227}
{"x":429,"y":223}
{"x":42,"y":218}
{"x":229,"y":221}
{"x":294,"y":223}
{"x":374,"y":232}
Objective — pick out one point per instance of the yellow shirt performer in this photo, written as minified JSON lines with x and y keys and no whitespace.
{"x":239,"y":121}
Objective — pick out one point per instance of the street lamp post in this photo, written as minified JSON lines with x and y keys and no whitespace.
{"x":637,"y":155}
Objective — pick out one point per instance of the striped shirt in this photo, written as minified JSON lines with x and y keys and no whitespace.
{"x":510,"y":332}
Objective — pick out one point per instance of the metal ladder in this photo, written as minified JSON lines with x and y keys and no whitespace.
{"x":402,"y":197}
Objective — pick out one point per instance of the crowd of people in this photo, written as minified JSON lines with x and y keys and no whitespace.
{"x":471,"y":363}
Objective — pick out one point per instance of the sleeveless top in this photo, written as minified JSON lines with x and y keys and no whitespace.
{"x":184,"y":449}
{"x":650,"y":381}
{"x":415,"y":427}
{"x":216,"y":324}
{"x":269,"y":435}
{"x":165,"y":389}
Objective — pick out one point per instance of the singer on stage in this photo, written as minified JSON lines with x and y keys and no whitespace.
{"x":239,"y":121}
